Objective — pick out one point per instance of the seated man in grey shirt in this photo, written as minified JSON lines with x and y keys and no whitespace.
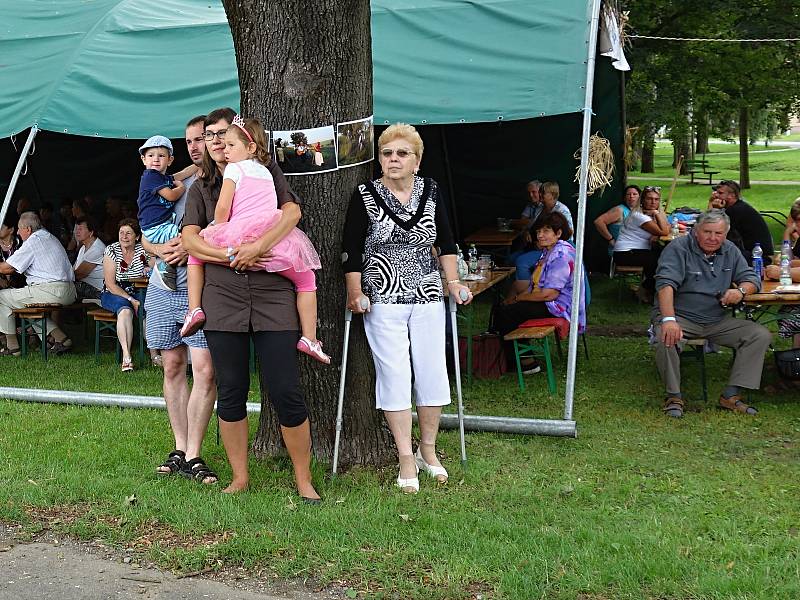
{"x":699,"y":277}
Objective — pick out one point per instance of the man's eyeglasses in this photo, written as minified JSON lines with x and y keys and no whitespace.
{"x":652,"y":188}
{"x":401,"y":152}
{"x":209,"y":135}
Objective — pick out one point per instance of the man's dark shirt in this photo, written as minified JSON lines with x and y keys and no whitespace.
{"x":752,"y":228}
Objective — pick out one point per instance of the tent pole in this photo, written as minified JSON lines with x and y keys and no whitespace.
{"x":577,"y":275}
{"x":11,"y":186}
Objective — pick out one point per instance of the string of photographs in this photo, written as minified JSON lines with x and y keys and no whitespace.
{"x":321,"y":149}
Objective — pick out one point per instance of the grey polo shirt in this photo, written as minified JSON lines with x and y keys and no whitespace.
{"x":699,"y":280}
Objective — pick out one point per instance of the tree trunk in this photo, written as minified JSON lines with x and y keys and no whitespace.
{"x":681,"y":147}
{"x":648,"y":154}
{"x":302,"y":65}
{"x":701,"y":140}
{"x":744,"y":151}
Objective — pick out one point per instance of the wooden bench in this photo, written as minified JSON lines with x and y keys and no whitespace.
{"x":696,"y":347}
{"x":623,"y":274}
{"x":702,"y":174}
{"x":104,"y":321}
{"x":533,"y":342}
{"x":36,"y":314}
{"x":699,"y":168}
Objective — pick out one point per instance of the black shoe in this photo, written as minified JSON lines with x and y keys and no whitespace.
{"x":169,"y":275}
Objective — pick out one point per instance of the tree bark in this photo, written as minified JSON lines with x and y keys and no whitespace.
{"x":681,"y":147}
{"x":648,"y":154}
{"x":701,"y":140}
{"x":744,"y":150}
{"x":301,"y":65}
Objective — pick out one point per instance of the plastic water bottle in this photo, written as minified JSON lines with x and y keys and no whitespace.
{"x":758,"y":260}
{"x":463,"y":269}
{"x":786,"y":263}
{"x":675,"y":229}
{"x":473,"y":259}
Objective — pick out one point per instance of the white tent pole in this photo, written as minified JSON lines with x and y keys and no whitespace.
{"x":11,"y":186}
{"x":577,"y":275}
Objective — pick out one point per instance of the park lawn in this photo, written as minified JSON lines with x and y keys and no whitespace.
{"x":638,"y":506}
{"x":764,"y":166}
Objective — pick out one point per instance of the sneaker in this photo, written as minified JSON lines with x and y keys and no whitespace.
{"x":532,"y":368}
{"x":169,"y":275}
{"x":193,"y":322}
{"x":313,"y":349}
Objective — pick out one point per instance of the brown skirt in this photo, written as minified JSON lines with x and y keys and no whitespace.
{"x":253,"y":299}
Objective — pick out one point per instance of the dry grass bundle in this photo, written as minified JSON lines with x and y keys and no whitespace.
{"x":600,"y":165}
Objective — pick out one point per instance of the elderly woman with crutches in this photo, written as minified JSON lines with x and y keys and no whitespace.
{"x":395,"y":227}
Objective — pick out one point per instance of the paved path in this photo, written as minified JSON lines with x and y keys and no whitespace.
{"x":55,"y":568}
{"x":684,"y":179}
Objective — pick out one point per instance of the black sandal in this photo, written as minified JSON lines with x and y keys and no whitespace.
{"x":175,"y":461}
{"x":198,"y":470}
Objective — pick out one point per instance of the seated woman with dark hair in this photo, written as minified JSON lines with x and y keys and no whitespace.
{"x":9,"y":242}
{"x":549,"y":292}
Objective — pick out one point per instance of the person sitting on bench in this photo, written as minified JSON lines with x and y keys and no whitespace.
{"x":50,"y":278}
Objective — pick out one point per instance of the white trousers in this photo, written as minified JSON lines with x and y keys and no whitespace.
{"x":398,"y":335}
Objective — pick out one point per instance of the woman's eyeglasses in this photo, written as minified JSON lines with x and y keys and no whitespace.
{"x":401,"y":152}
{"x":209,"y":135}
{"x":652,"y":188}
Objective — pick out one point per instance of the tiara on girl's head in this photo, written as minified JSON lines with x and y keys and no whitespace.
{"x":239,"y":122}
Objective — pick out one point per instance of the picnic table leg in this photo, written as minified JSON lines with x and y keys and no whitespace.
{"x":551,"y":379}
{"x":520,"y":379}
{"x":23,"y":335}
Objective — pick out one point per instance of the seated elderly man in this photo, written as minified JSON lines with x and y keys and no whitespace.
{"x":699,"y":277}
{"x":50,"y":278}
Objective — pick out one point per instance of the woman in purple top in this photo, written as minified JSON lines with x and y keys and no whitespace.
{"x":549,"y":293}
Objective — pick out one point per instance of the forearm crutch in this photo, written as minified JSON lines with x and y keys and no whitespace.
{"x":348,"y":317}
{"x":464,"y":295}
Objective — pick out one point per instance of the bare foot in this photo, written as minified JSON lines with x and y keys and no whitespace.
{"x":236,"y":487}
{"x":306,"y":490}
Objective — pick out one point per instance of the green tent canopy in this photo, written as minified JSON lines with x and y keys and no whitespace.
{"x":117,"y":69}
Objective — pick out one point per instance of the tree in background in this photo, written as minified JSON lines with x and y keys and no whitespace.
{"x":697,"y":89}
{"x":307,"y":64}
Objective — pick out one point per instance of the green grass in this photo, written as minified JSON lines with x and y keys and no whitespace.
{"x":764,"y":166}
{"x":792,"y":137}
{"x":638,"y":506}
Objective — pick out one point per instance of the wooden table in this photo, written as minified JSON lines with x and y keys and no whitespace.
{"x":767,"y":295}
{"x":767,"y":303}
{"x":493,"y":237}
{"x":498,"y":274}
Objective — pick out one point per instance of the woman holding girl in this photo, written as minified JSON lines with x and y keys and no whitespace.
{"x":248,"y":207}
{"x":243,"y":301}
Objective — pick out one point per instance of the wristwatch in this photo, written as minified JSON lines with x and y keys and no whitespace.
{"x":742,"y":292}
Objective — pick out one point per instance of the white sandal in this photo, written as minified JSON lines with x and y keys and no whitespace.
{"x":409,"y":485}
{"x":431,"y":470}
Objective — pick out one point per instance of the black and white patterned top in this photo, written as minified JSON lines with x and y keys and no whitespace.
{"x":392,"y":244}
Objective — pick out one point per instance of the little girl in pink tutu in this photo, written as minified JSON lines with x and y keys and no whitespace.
{"x":247,"y":207}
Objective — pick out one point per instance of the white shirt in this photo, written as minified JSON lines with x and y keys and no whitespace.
{"x":632,"y":236}
{"x":42,"y":259}
{"x":94,"y":255}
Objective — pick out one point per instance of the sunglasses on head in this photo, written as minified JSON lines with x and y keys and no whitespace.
{"x":401,"y":152}
{"x":652,"y":188}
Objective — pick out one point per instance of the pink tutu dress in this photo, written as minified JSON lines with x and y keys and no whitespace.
{"x":254,"y":211}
